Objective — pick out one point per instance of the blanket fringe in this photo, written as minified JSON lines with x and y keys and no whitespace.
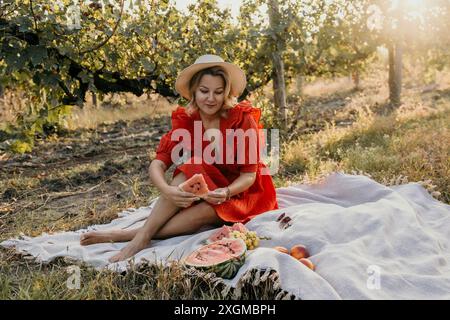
{"x":253,"y":276}
{"x":247,"y":275}
{"x":210,"y":277}
{"x":226,"y":290}
{"x":284,"y":295}
{"x":237,"y":292}
{"x":275,"y":277}
{"x":257,"y":278}
{"x":266,"y":275}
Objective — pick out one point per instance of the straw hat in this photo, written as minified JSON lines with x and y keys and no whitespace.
{"x":237,"y":76}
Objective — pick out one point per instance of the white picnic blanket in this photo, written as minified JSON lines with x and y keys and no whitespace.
{"x":368,"y":241}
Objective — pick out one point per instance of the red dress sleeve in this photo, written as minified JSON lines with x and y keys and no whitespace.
{"x":180,"y":119}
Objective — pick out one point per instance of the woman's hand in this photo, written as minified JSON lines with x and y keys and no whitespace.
{"x":180,"y":198}
{"x":217,"y":196}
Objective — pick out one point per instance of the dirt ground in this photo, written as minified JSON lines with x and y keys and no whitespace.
{"x":84,"y":177}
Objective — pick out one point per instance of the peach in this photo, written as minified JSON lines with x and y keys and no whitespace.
{"x":307,"y":263}
{"x":282,"y":249}
{"x":299,"y":251}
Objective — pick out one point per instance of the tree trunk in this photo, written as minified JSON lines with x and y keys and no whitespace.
{"x":299,"y":85}
{"x":279,"y":88}
{"x":356,"y":79}
{"x":395,"y":73}
{"x":94,"y":99}
{"x":279,"y":84}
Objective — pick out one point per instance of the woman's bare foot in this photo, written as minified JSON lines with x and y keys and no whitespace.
{"x":102,"y":236}
{"x":136,"y":245}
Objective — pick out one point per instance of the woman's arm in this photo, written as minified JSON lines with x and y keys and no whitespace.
{"x":242,"y":183}
{"x":156,"y":172}
{"x":180,"y":198}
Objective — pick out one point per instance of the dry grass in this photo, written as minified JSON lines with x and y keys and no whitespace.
{"x":412,"y":142}
{"x":322,"y":88}
{"x":119,"y":107}
{"x":24,"y":279}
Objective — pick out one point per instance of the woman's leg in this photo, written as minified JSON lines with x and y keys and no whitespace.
{"x":190,"y":220}
{"x":161,"y":213}
{"x":163,"y":207}
{"x":186,"y":221}
{"x":94,"y":237}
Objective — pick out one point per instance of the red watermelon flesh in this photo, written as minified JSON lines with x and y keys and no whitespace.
{"x":223,"y":232}
{"x":196,"y":185}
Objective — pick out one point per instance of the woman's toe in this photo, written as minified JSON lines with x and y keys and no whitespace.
{"x":115,"y":258}
{"x":86,"y":239}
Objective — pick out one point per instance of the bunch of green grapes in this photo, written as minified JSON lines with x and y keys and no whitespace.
{"x":251,"y":238}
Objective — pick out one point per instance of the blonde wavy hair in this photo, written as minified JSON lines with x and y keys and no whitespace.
{"x":229,"y":101}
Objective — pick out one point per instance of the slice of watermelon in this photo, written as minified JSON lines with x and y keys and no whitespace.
{"x":196,"y":185}
{"x":223,"y":232}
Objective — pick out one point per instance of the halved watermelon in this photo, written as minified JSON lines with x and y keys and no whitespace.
{"x":223,"y":257}
{"x":196,"y":185}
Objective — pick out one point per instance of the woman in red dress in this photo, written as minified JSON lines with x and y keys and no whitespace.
{"x":239,"y":189}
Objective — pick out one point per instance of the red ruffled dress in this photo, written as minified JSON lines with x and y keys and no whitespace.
{"x":260,"y":197}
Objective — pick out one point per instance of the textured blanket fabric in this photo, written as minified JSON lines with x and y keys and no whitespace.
{"x":368,"y":241}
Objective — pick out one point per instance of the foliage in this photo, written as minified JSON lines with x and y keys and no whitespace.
{"x":59,"y":51}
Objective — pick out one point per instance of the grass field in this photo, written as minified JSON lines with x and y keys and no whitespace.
{"x":100,"y":167}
